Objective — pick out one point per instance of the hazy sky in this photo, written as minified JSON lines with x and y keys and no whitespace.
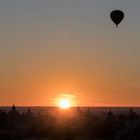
{"x":54,"y":48}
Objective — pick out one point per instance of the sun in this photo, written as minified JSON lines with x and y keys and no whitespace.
{"x":64,"y":104}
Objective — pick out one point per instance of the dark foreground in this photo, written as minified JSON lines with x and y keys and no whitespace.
{"x":71,"y":124}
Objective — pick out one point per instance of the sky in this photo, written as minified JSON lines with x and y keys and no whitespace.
{"x":53,"y":49}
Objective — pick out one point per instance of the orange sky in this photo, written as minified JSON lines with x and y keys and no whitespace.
{"x":51,"y":49}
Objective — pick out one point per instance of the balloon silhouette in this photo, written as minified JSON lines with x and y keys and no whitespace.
{"x":117,"y":16}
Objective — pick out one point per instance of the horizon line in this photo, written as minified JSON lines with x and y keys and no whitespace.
{"x":71,"y":106}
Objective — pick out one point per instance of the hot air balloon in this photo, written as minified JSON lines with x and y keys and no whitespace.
{"x":117,"y":16}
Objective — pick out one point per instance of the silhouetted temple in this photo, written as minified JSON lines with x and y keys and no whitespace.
{"x":110,"y":117}
{"x":13,"y":110}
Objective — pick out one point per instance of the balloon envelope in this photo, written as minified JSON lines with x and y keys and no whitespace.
{"x":117,"y":16}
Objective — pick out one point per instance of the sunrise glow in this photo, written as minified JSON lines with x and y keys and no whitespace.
{"x":64,"y":104}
